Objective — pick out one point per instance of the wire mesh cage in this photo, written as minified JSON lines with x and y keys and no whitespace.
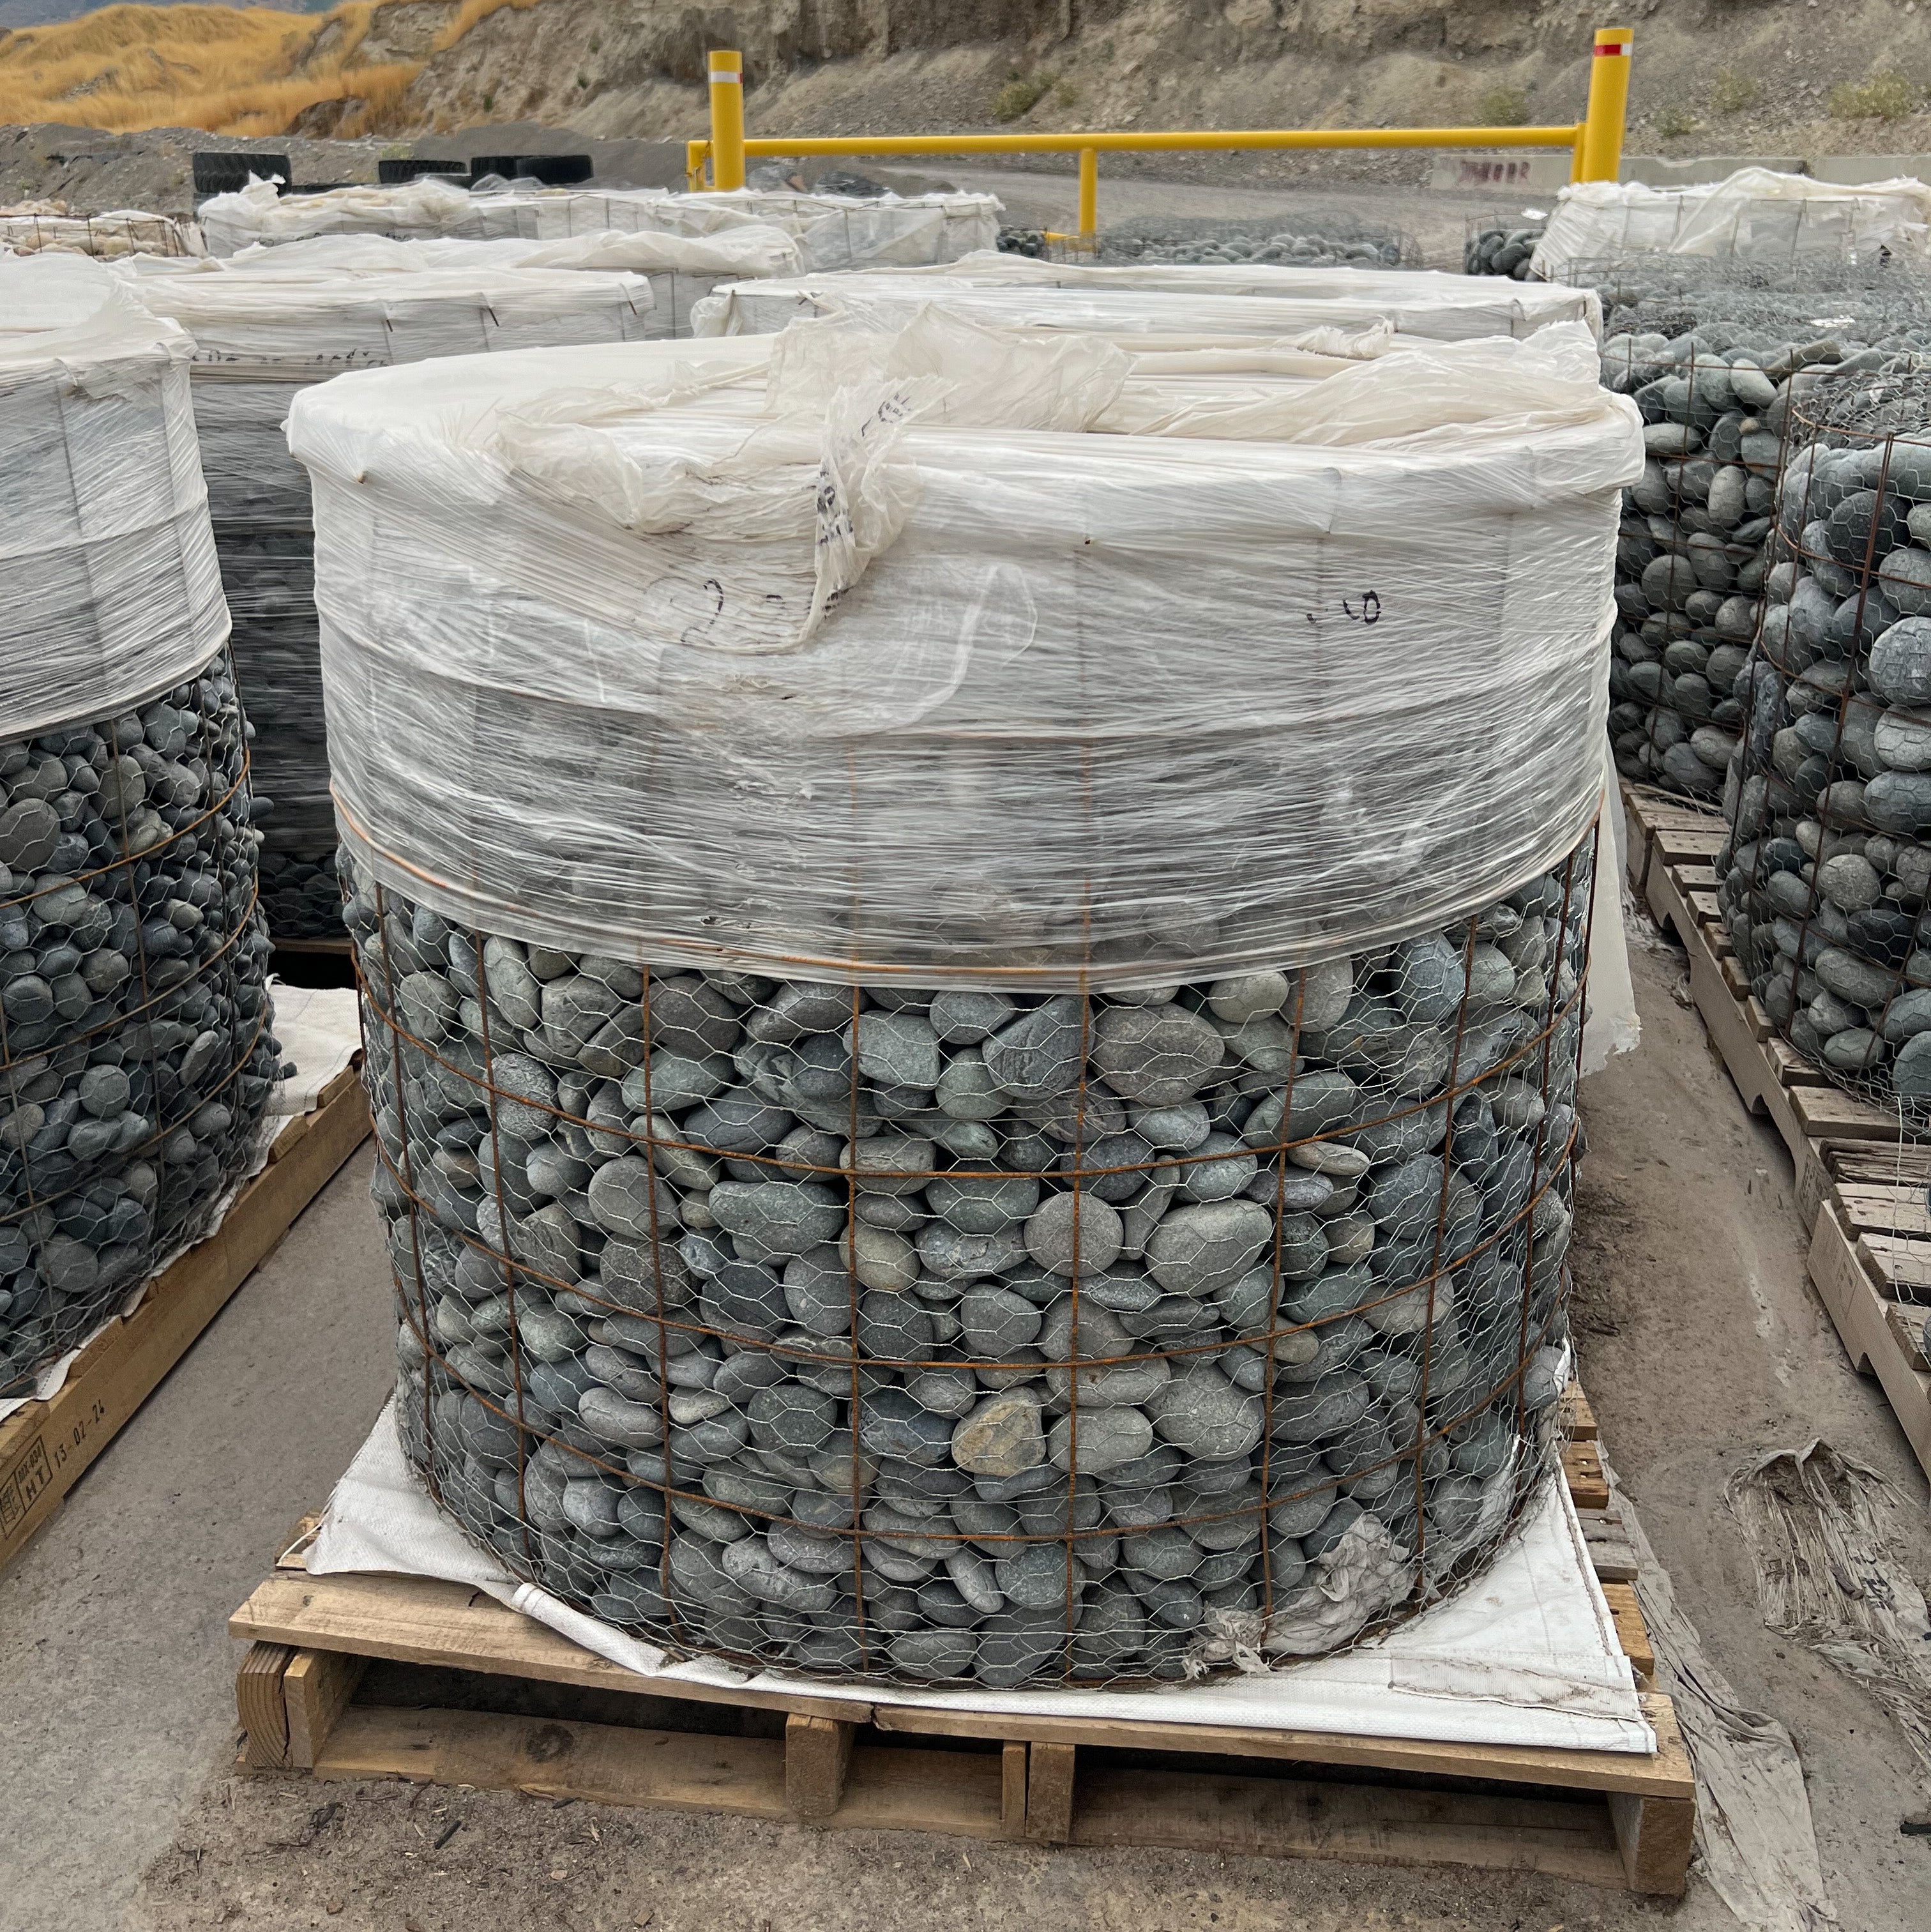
{"x":1303,"y":235}
{"x":31,"y":231}
{"x":1022,"y":1337}
{"x":1826,"y":872}
{"x":1709,"y":360}
{"x":134,"y":1016}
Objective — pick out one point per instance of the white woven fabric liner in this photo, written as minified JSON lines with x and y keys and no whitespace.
{"x":1526,"y":1655}
{"x":321,"y":1031}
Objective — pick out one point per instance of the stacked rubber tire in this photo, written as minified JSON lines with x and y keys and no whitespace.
{"x":1827,"y":869}
{"x":136,"y":1058}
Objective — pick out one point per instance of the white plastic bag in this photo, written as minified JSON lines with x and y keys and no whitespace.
{"x":1111,"y":708}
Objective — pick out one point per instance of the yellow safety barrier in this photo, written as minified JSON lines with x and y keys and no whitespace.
{"x":1596,"y":142}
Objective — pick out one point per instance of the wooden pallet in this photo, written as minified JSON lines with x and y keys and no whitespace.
{"x":856,"y":1761}
{"x":1861,"y":1193}
{"x":45,"y":1447}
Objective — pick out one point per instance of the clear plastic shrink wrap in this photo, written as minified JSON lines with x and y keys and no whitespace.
{"x":974,"y":1010}
{"x":681,"y":269}
{"x":134,"y":1044}
{"x":1755,"y":218}
{"x":886,"y":300}
{"x":34,"y":229}
{"x":1417,"y":302}
{"x":832,"y":231}
{"x":260,"y":336}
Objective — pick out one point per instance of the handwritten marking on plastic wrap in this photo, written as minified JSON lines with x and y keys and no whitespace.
{"x":1366,"y":609}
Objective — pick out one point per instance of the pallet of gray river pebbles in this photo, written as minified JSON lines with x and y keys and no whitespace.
{"x":766,"y":1317}
{"x":1344,"y":245}
{"x":134,"y":1017}
{"x":1827,"y":873}
{"x":1500,"y":249}
{"x":1690,"y":557}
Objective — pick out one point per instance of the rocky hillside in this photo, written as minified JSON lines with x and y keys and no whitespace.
{"x":1712,"y":75}
{"x":1766,"y":76}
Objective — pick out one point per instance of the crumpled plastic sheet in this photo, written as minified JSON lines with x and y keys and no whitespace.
{"x":1754,"y":1841}
{"x":895,"y":661}
{"x":1824,"y":1531}
{"x":112,"y":588}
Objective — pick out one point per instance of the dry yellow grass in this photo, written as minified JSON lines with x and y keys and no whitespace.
{"x":230,"y":70}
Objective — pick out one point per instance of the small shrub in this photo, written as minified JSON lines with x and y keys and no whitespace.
{"x":582,"y":80}
{"x":489,"y":103}
{"x":1066,"y":95}
{"x":1021,"y":95}
{"x":1884,"y":96}
{"x":1674,"y":122}
{"x":1502,"y":106}
{"x":1734,"y":92}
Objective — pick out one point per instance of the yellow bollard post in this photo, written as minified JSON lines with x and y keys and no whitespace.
{"x":726,"y":119}
{"x":1608,"y":105}
{"x":1089,"y":197}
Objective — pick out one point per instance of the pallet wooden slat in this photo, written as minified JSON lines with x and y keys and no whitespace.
{"x":261,"y":1703}
{"x":1582,"y":1465}
{"x":1611,"y":1818}
{"x":1631,"y":1631}
{"x":45,"y":1447}
{"x":817,"y":1758}
{"x":1275,"y":1817}
{"x":1860,"y":1189}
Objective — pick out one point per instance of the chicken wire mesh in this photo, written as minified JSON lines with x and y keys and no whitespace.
{"x":1018,"y":1337}
{"x":134,"y":1016}
{"x":32,"y":231}
{"x":1302,"y":238}
{"x":1709,"y":355}
{"x":1825,"y":873}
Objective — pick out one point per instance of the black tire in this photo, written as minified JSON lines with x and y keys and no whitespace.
{"x":552,"y":170}
{"x":225,"y":171}
{"x":412,"y":167}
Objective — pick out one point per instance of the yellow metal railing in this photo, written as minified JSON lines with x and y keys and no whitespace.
{"x":1595,"y":142}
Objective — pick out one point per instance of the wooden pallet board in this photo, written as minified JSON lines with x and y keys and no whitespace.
{"x":45,"y":1447}
{"x":1882,"y":1336}
{"x":1860,"y":1190}
{"x":859,"y":1761}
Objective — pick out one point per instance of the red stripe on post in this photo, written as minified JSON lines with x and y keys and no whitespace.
{"x":1608,"y":47}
